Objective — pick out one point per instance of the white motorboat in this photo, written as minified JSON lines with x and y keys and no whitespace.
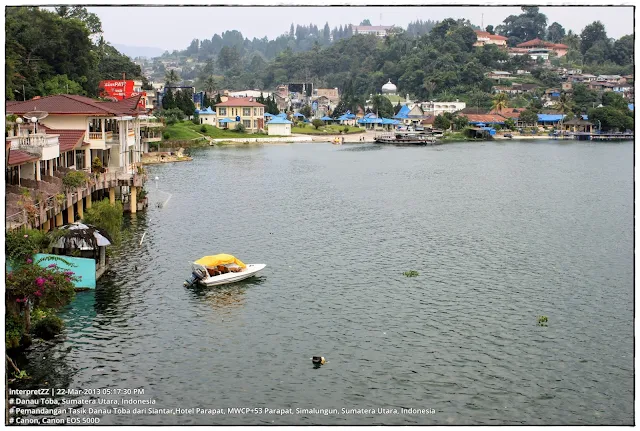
{"x":221,"y":269}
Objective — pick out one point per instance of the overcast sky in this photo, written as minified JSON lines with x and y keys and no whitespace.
{"x":174,"y":27}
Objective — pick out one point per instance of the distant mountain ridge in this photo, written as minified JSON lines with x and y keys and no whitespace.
{"x":139,"y":51}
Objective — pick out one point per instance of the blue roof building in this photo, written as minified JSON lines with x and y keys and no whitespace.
{"x":279,"y":126}
{"x":403,"y":114}
{"x":550,"y":118}
{"x":278,"y":120}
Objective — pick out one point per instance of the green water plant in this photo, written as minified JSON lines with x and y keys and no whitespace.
{"x":542,"y":320}
{"x":410,"y":273}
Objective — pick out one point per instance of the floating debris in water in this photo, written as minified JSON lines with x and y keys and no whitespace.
{"x":542,"y":320}
{"x":318,"y":360}
{"x":410,"y":273}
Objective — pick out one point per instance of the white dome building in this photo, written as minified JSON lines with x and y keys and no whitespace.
{"x":389,"y":88}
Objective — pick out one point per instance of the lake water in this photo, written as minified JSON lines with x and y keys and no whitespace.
{"x":500,"y":233}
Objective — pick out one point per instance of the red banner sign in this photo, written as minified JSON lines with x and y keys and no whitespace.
{"x":120,"y":90}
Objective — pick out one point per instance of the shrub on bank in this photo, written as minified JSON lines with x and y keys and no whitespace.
{"x":48,"y":327}
{"x":74,"y":179}
{"x":106,"y":216}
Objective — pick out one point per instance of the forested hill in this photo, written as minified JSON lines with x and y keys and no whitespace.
{"x":442,"y":62}
{"x":299,"y":38}
{"x":58,"y":52}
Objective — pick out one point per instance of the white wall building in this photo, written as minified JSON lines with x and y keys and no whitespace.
{"x":250,"y":93}
{"x":437,"y":108}
{"x":279,"y":126}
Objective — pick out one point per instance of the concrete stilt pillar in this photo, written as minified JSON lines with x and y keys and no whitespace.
{"x":46,"y":226}
{"x":80,"y":209}
{"x":112,"y":195}
{"x":59,"y":221}
{"x":70,"y":214}
{"x":134,"y":200}
{"x":89,"y":201}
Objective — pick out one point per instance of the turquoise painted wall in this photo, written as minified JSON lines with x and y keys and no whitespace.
{"x":86,"y":268}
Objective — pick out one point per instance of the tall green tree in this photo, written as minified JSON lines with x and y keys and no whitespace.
{"x":529,"y":117}
{"x":382,"y":106}
{"x":42,"y":45}
{"x":555,"y":33}
{"x":583,"y":98}
{"x":622,"y":52}
{"x":610,"y":118}
{"x":168,"y":101}
{"x":531,"y":24}
{"x":80,"y":13}
{"x":171,"y":78}
{"x":591,"y":35}
{"x":60,"y":84}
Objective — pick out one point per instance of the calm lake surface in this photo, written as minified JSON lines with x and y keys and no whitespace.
{"x":500,"y":234}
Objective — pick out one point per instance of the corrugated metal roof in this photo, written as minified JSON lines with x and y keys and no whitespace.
{"x":239,"y":102}
{"x":550,"y":117}
{"x":278,"y":120}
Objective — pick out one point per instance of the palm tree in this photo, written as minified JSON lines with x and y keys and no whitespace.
{"x":210,"y":84}
{"x":445,"y":96}
{"x":171,"y":77}
{"x":429,"y":86}
{"x":500,"y":102}
{"x":564,"y":104}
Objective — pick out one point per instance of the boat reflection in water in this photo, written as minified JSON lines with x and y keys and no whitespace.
{"x":406,"y":138}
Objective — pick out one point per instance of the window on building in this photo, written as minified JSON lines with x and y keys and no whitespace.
{"x":12,"y":176}
{"x":80,"y":159}
{"x":70,"y":157}
{"x":246,"y":112}
{"x":222,"y":111}
{"x":255,"y":124}
{"x":255,"y":112}
{"x":246,"y":123}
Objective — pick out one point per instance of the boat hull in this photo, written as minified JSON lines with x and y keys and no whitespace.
{"x":406,"y":142}
{"x":232,"y":277}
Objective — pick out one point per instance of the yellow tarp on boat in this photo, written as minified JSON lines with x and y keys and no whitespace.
{"x":219,"y":259}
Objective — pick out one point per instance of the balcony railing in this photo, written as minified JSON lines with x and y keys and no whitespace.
{"x":35,"y":140}
{"x":98,"y":136}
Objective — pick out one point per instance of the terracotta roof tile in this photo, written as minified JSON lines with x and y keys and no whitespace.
{"x":489,"y":35}
{"x":74,"y":104}
{"x":485,"y":118}
{"x":68,"y":139}
{"x":17,"y":157}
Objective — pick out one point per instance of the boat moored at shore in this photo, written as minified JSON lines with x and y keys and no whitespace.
{"x":406,"y":139}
